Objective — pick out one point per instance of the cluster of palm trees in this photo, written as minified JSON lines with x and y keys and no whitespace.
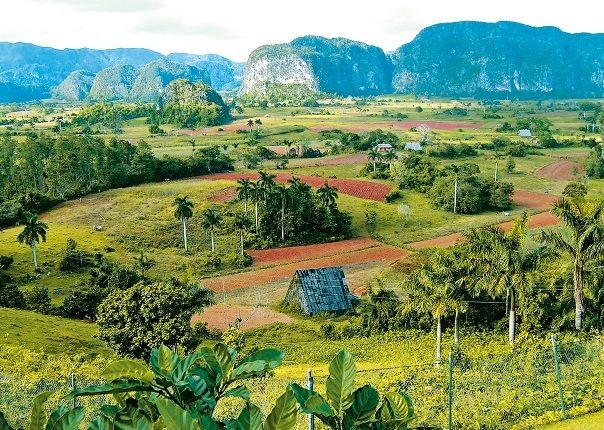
{"x":501,"y":264}
{"x":251,"y":123}
{"x":266,"y":188}
{"x":211,"y":219}
{"x":376,"y":157}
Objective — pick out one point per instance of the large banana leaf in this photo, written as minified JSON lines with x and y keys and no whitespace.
{"x":396,"y":410}
{"x":128,"y":369}
{"x":250,"y":418}
{"x":258,"y":363}
{"x":340,"y":382}
{"x":175,"y":417}
{"x":37,"y":420}
{"x":313,"y":403}
{"x":163,"y":360}
{"x":365,"y":401}
{"x":283,"y":415}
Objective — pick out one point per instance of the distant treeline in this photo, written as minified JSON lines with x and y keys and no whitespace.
{"x":41,"y":171}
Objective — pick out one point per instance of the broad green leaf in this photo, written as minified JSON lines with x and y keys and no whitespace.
{"x":115,"y":387}
{"x":340,"y":382}
{"x":175,"y":417}
{"x":207,"y":423}
{"x":311,"y":402}
{"x":197,"y":384}
{"x":283,"y":415}
{"x":37,"y":419}
{"x":56,"y":414}
{"x":163,"y":360}
{"x":258,"y":363}
{"x":365,"y":401}
{"x":239,"y":391}
{"x":223,"y":356}
{"x":184,"y":365}
{"x":397,"y":408}
{"x":101,"y":423}
{"x":211,"y":367}
{"x":4,"y":425}
{"x":250,"y":418}
{"x":159,"y":424}
{"x":70,"y":420}
{"x":127,"y":369}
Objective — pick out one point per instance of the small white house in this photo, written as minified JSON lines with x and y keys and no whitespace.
{"x":525,"y":132}
{"x":383,"y":147}
{"x":413,"y":146}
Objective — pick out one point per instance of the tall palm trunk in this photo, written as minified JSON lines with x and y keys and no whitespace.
{"x":456,"y":327}
{"x":256,"y":215}
{"x":512,"y":321}
{"x":373,"y":166}
{"x":439,"y":340}
{"x":184,"y":233}
{"x":283,"y":219}
{"x":212,"y":238}
{"x":245,"y":206}
{"x":241,"y":237}
{"x":579,"y":293}
{"x":33,"y":252}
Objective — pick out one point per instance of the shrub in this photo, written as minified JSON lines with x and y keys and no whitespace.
{"x":38,"y":300}
{"x":393,"y":195}
{"x":5,"y":262}
{"x":11,"y":296}
{"x":82,"y":304}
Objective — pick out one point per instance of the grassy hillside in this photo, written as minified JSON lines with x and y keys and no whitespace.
{"x":53,"y":335}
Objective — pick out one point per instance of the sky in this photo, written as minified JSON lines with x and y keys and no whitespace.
{"x":233,"y":28}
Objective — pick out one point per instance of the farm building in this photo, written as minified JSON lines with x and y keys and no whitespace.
{"x":413,"y":146}
{"x":320,"y":290}
{"x":383,"y":147}
{"x":525,"y":132}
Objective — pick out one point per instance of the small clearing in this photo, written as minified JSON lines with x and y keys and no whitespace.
{"x":224,"y":316}
{"x":562,"y":170}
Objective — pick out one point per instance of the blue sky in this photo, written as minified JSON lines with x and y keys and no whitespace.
{"x":234,"y":28}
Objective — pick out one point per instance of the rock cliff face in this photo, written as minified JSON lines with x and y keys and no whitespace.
{"x":338,"y":66}
{"x":503,"y":59}
{"x":224,"y":73}
{"x":75,"y":87}
{"x":113,"y":83}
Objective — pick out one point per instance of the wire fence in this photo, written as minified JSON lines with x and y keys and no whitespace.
{"x":519,"y":390}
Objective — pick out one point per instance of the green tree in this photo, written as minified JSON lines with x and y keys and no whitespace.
{"x":510,"y":165}
{"x":266,"y":184}
{"x":244,"y":192}
{"x":374,"y":156}
{"x":183,"y":211}
{"x":210,"y":221}
{"x":328,"y":195}
{"x":250,"y":124}
{"x":38,"y":300}
{"x":135,"y":320}
{"x":389,"y":157}
{"x":575,"y":190}
{"x":143,"y":263}
{"x":283,"y":195}
{"x":33,"y":231}
{"x":256,"y":194}
{"x":584,"y":246}
{"x":506,"y":265}
{"x":242,"y":223}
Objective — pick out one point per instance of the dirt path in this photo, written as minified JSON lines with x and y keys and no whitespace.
{"x":561,"y":170}
{"x":223,"y":316}
{"x":353,"y":187}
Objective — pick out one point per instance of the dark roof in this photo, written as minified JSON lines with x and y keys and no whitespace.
{"x":323,"y":290}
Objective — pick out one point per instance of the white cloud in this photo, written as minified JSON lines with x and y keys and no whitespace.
{"x":234,"y":28}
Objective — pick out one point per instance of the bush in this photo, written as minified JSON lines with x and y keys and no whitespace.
{"x":576,"y":190}
{"x":38,"y":300}
{"x":393,"y":195}
{"x":5,"y":262}
{"x":11,"y":296}
{"x":236,"y":260}
{"x":74,"y":259}
{"x":82,"y":305}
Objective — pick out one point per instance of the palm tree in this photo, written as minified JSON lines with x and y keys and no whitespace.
{"x":211,"y":220}
{"x":297,"y":186}
{"x":266,"y":183}
{"x":183,"y":211}
{"x":373,"y":155}
{"x":258,"y":124}
{"x":244,"y":190}
{"x":432,"y":290}
{"x":327,"y":195}
{"x":389,"y":157}
{"x":250,"y":124}
{"x":283,"y":194}
{"x":584,"y":246}
{"x":33,"y":231}
{"x":144,"y":263}
{"x":242,"y":223}
{"x":255,"y":196}
{"x":505,"y":265}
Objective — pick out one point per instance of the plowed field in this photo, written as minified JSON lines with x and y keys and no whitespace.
{"x":221,"y":316}
{"x":561,"y":170}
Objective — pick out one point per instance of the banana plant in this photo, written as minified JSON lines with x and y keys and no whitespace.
{"x":62,"y":418}
{"x":348,"y":409}
{"x":175,"y":389}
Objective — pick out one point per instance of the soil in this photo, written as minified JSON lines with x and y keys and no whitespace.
{"x":226,"y":195}
{"x":562,"y":170}
{"x":402,"y":125}
{"x":223,"y":316}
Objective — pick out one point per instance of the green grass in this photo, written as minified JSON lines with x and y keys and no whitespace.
{"x":587,"y":422}
{"x":52,"y":334}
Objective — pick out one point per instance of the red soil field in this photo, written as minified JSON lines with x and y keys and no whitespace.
{"x":402,"y":125}
{"x":383,"y":254}
{"x":357,"y":188}
{"x":532,"y":200}
{"x":561,"y":170}
{"x":225,"y":195}
{"x":268,"y":257}
{"x":220,"y":316}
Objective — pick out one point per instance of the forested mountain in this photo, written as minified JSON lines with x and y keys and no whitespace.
{"x":499,"y":60}
{"x":338,"y":66}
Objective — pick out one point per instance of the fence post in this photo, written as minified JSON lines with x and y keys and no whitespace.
{"x":451,"y":390}
{"x":72,"y":383}
{"x":310,"y":385}
{"x":559,"y":377}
